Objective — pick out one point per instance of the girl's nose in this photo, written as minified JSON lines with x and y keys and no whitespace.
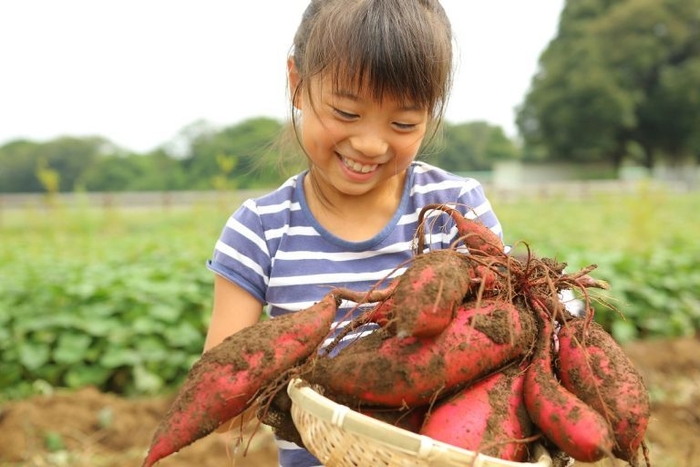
{"x":369,"y":144}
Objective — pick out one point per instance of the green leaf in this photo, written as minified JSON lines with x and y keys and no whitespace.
{"x":624,"y":331}
{"x":146,"y":325}
{"x":99,"y":327}
{"x":153,"y":348}
{"x":5,"y":316}
{"x":146,"y":381}
{"x":5,"y":337}
{"x":33,"y":355}
{"x":82,"y":376}
{"x":184,"y":335}
{"x":168,"y":314}
{"x":116,"y":357}
{"x":99,"y":309}
{"x":71,"y":348}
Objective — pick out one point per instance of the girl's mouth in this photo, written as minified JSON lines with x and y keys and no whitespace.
{"x":357,"y":167}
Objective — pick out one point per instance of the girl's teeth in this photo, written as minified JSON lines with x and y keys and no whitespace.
{"x":357,"y":167}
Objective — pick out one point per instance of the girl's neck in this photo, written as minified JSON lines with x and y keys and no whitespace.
{"x":353,"y":217}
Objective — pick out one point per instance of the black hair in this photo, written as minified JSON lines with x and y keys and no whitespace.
{"x":400,"y":48}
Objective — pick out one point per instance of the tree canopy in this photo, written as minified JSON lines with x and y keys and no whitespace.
{"x":472,"y":146}
{"x":620,"y":81}
{"x":202,"y":157}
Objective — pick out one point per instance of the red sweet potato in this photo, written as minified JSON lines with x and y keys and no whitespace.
{"x":568,"y":422}
{"x":422,"y":301}
{"x":488,"y":417}
{"x":595,"y":368}
{"x":225,"y":380}
{"x":478,"y":238}
{"x":485,"y":281}
{"x":430,"y":291}
{"x":412,"y":371}
{"x":382,"y":314}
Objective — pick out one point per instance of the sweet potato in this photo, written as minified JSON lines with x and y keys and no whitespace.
{"x":478,"y":238}
{"x":488,"y":417}
{"x":595,"y":368}
{"x":412,"y":371}
{"x":568,"y":422}
{"x":422,"y":301}
{"x":225,"y":380}
{"x":382,"y":314}
{"x":485,"y":282}
{"x":430,"y":291}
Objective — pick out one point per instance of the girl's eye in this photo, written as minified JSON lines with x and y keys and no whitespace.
{"x":344,"y":115}
{"x":405,"y":126}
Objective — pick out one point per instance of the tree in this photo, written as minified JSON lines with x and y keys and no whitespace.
{"x":245,"y":144}
{"x":180,"y":146}
{"x":26,"y":164}
{"x":473,"y":146}
{"x":619,"y":73}
{"x":18,"y":163}
{"x":71,"y":156}
{"x":136,"y":172}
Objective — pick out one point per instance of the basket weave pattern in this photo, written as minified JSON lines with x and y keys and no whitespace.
{"x":341,"y":437}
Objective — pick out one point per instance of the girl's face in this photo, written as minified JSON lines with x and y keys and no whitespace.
{"x":356,"y":144}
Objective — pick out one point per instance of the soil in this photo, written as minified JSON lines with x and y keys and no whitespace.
{"x":88,"y":428}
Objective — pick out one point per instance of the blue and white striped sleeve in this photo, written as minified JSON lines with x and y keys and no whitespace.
{"x":241,"y":254}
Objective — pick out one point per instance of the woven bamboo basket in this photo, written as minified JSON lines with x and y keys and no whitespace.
{"x":341,"y":437}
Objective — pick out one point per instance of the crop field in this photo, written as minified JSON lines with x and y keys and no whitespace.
{"x":118,"y":298}
{"x":638,"y":223}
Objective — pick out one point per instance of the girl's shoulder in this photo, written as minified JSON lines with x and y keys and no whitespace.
{"x":287,"y":192}
{"x":433,"y":184}
{"x":272,"y":210}
{"x":425,"y":169}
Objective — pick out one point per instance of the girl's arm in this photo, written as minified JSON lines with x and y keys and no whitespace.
{"x":233,"y":310}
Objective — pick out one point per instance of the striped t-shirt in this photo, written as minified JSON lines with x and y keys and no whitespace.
{"x":275,"y":249}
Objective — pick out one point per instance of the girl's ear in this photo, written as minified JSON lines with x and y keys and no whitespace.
{"x":294,"y":80}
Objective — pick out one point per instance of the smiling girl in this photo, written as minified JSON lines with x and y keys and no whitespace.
{"x":369,"y":81}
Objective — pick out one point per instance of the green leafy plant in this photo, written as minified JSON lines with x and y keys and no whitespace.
{"x":120,"y":299}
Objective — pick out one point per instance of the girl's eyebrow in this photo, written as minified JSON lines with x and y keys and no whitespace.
{"x":346,"y":94}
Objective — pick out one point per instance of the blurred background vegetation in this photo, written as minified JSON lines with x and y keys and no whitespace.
{"x":119,"y":297}
{"x":618,"y":85}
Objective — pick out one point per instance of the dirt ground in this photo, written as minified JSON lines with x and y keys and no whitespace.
{"x":88,"y":428}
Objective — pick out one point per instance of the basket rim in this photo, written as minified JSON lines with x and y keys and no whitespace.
{"x":309,"y":400}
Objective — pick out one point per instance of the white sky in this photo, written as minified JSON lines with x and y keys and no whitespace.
{"x":138,"y":71}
